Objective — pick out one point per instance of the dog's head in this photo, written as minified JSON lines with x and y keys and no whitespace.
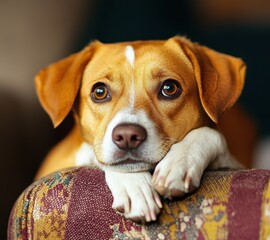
{"x":134,"y":100}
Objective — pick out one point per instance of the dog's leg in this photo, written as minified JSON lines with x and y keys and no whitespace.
{"x":134,"y":195}
{"x":181,"y":169}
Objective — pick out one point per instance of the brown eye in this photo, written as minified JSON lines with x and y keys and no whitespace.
{"x":100,"y":93}
{"x":170,"y":89}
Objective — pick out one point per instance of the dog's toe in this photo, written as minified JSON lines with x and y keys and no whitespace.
{"x":121,"y":203}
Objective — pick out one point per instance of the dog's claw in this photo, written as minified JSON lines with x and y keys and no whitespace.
{"x":187,"y":183}
{"x":119,"y":209}
{"x":157,"y":200}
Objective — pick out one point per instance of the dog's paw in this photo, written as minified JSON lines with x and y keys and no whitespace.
{"x":134,"y":195}
{"x":181,"y":169}
{"x":175,"y":176}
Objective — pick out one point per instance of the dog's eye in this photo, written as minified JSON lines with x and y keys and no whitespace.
{"x":170,"y":89}
{"x":100,"y":93}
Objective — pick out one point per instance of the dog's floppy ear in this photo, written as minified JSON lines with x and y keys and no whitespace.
{"x":58,"y":84}
{"x":220,"y":77}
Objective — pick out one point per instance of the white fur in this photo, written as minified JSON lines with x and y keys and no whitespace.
{"x":130,"y":55}
{"x":184,"y":164}
{"x":133,"y":193}
{"x":150,"y":150}
{"x":85,"y":155}
{"x":181,"y":169}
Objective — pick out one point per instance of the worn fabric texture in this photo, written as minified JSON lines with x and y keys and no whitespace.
{"x":76,"y":204}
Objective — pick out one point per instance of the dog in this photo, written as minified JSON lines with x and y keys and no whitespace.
{"x":146,"y":113}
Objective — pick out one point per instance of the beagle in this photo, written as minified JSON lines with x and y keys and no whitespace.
{"x":145,"y":113}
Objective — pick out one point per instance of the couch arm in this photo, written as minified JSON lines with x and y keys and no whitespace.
{"x":76,"y":204}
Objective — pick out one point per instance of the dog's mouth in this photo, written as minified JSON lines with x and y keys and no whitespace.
{"x":130,"y":165}
{"x":127,"y":161}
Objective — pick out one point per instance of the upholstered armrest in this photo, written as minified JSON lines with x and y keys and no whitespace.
{"x":76,"y":204}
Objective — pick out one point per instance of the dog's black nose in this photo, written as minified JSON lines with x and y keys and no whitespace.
{"x":128,"y":136}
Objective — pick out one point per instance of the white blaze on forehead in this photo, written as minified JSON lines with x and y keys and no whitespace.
{"x":130,"y":55}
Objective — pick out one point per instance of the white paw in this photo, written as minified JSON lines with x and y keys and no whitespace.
{"x":181,"y":169}
{"x":177,"y":174}
{"x":134,"y":195}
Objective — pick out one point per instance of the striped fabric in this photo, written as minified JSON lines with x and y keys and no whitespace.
{"x":76,"y":204}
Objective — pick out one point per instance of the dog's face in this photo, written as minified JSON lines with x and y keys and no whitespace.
{"x":133,"y":106}
{"x":134,"y":100}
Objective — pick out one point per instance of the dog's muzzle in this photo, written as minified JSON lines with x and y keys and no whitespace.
{"x":128,"y":137}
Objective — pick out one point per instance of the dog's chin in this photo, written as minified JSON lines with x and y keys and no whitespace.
{"x":129,"y":165}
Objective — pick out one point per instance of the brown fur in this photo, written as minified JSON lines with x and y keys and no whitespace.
{"x":211,"y":84}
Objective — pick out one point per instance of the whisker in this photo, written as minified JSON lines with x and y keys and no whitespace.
{"x":87,"y":154}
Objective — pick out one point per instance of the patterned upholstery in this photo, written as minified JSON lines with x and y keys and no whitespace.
{"x":76,"y":204}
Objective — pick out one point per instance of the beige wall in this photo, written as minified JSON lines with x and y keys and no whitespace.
{"x":32,"y":35}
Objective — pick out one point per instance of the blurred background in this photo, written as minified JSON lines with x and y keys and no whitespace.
{"x":36,"y":33}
